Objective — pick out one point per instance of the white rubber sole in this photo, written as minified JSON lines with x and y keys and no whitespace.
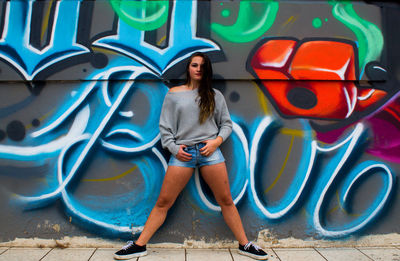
{"x":252,"y":255}
{"x":126,"y":257}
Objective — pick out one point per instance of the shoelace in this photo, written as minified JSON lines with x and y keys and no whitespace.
{"x":248,"y":245}
{"x":128,"y":244}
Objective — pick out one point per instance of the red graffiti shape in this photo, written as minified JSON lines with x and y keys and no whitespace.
{"x":312,"y":79}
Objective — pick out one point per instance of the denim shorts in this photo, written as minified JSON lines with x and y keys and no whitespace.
{"x":197,"y":160}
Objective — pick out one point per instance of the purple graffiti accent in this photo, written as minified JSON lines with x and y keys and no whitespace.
{"x":331,"y":136}
{"x":386,"y":128}
{"x":385,"y":132}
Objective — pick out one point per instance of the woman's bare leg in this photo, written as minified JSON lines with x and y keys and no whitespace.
{"x":216,"y":177}
{"x":175,"y":180}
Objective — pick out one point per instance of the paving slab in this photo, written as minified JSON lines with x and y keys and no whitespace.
{"x":295,"y":254}
{"x":3,"y":249}
{"x":104,"y":254}
{"x":342,"y":254}
{"x":381,"y":253}
{"x":68,"y":254}
{"x":208,"y":254}
{"x":162,"y":254}
{"x":22,"y":253}
{"x":238,"y":257}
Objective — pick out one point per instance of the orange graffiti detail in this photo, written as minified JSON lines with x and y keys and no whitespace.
{"x":312,"y":79}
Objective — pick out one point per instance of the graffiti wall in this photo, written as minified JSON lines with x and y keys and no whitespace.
{"x":312,"y":88}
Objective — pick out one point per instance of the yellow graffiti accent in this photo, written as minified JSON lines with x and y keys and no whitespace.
{"x":113,"y":178}
{"x":305,"y":213}
{"x":41,"y":119}
{"x":288,"y":21}
{"x":261,"y":99}
{"x":292,"y":132}
{"x":342,"y":208}
{"x":286,"y":25}
{"x":28,"y":126}
{"x":162,"y":40}
{"x":333,"y":210}
{"x":103,"y":50}
{"x":45,"y":22}
{"x":283,"y":166}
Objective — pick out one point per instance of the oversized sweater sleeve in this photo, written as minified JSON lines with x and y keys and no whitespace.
{"x":222,"y":116}
{"x":168,"y":126}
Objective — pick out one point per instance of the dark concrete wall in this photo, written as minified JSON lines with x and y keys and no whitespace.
{"x":312,"y":88}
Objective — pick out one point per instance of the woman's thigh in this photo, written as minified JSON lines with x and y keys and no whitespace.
{"x":175,"y":180}
{"x":216,"y":176}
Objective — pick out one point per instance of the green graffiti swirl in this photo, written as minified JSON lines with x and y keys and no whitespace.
{"x":249,"y":26}
{"x":369,"y":37}
{"x":142,"y":15}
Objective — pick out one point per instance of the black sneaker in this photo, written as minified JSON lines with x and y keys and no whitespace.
{"x":253,"y":251}
{"x":130,"y":250}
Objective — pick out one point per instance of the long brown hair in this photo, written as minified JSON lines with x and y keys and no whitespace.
{"x":206,"y":92}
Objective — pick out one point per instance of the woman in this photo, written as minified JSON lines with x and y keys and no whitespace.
{"x":194,"y":122}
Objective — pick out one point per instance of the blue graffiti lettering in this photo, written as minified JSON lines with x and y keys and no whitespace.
{"x":182,"y":40}
{"x":332,"y":171}
{"x":15,"y":47}
{"x":298,"y":184}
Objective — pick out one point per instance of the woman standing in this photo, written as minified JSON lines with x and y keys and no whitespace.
{"x":194,"y":122}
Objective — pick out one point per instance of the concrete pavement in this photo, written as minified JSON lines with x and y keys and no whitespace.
{"x":165,"y":254}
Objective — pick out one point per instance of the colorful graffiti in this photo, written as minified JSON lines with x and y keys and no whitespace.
{"x":316,"y":79}
{"x":98,"y":139}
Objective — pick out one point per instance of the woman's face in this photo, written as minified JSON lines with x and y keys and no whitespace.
{"x":196,"y":68}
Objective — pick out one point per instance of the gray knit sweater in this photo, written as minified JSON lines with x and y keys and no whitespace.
{"x":179,"y":121}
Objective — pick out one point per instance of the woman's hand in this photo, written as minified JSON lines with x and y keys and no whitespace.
{"x":183,"y":155}
{"x":211,"y":146}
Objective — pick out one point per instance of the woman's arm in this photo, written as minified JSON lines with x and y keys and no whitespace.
{"x":167,"y":126}
{"x":222,"y":116}
{"x":224,"y":123}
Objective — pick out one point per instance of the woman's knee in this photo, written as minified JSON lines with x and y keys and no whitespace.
{"x":164,"y":202}
{"x":225,"y":200}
